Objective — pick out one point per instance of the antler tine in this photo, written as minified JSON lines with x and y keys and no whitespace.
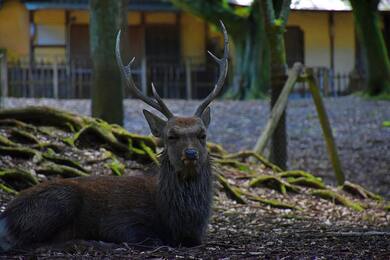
{"x":223,"y":67}
{"x":164,"y":108}
{"x":126,"y":74}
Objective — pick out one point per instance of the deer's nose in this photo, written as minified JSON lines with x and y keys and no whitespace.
{"x":191,"y":153}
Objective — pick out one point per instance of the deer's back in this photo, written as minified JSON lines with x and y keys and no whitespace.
{"x":102,"y":208}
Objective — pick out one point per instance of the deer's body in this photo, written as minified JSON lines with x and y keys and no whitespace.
{"x":170,"y":207}
{"x":153,"y":209}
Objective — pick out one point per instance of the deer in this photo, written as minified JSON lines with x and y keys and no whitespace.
{"x":170,"y":206}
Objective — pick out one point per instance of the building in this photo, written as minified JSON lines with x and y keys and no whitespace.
{"x":320,"y":34}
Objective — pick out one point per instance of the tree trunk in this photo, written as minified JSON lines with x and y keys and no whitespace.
{"x":251,"y":62}
{"x":275,"y":32}
{"x":371,"y":38}
{"x":107,"y":92}
{"x":251,"y":59}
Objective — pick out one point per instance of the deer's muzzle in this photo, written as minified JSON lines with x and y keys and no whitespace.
{"x":190,"y":154}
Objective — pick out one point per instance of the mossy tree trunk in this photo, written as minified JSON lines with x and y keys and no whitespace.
{"x":107,"y":92}
{"x":246,"y":29}
{"x":275,"y":13}
{"x":369,"y":33}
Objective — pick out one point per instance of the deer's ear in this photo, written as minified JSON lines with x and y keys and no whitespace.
{"x":206,"y":117}
{"x":156,"y":124}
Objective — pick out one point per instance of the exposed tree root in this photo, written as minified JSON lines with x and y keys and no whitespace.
{"x":271,"y":202}
{"x":24,"y":137}
{"x":8,"y":189}
{"x":337,"y":198}
{"x":17,"y":174}
{"x":4,"y":141}
{"x":48,"y":140}
{"x":45,"y":116}
{"x":62,"y":170}
{"x":307,"y":182}
{"x":243,"y":155}
{"x":21,"y":152}
{"x":234,"y":164}
{"x":116,"y":167}
{"x":51,"y":156}
{"x":232,"y":193}
{"x":216,"y":149}
{"x":359,"y":191}
{"x":273,"y":182}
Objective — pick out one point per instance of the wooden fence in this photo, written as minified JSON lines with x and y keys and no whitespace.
{"x":172,"y":80}
{"x":332,"y":84}
{"x":61,"y":80}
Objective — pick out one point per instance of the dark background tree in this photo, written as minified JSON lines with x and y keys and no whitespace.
{"x":246,"y":29}
{"x":106,"y":17}
{"x":275,"y":13}
{"x":370,"y":36}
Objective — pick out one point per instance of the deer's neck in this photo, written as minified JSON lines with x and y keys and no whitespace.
{"x":184,"y":203}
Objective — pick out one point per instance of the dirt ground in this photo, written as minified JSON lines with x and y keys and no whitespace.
{"x":363,"y":143}
{"x":315,"y":229}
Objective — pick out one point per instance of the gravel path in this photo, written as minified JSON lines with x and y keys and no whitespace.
{"x":363,"y":143}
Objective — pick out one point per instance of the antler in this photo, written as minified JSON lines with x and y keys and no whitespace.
{"x":223,"y":67}
{"x":157,"y":102}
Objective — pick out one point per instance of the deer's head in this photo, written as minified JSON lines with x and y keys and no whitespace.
{"x":184,"y":138}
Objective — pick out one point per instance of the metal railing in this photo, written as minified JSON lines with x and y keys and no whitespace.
{"x":187,"y":79}
{"x":332,"y":84}
{"x":57,"y":79}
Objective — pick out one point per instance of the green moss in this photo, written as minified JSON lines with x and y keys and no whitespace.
{"x":273,"y":182}
{"x":24,"y":136}
{"x":387,"y":207}
{"x":230,"y":191}
{"x":357,"y":190}
{"x":307,"y":182}
{"x":272,"y":202}
{"x":19,"y":175}
{"x":116,"y":166}
{"x":6,"y":142}
{"x":8,"y":189}
{"x":21,"y":152}
{"x":233,"y":163}
{"x":62,"y":170}
{"x":297,"y":174}
{"x":52,"y":156}
{"x":338,"y":199}
{"x":149,"y":152}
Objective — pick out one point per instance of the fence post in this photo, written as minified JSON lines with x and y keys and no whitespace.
{"x":278,"y":109}
{"x":188,"y":80}
{"x":55,"y":79}
{"x":326,"y":128}
{"x":144,"y":83}
{"x":3,"y":75}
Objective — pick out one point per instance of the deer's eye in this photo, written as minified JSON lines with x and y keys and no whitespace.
{"x":172,"y":137}
{"x":202,"y":136}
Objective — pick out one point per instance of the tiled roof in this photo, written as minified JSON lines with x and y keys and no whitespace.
{"x":318,"y":5}
{"x":139,"y":5}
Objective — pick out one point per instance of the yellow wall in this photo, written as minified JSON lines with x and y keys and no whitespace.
{"x":14,"y":29}
{"x":160,"y":18}
{"x":344,"y":42}
{"x":52,"y":17}
{"x":316,"y":38}
{"x":192,"y":39}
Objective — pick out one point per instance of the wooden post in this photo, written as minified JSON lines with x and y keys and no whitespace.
{"x":55,"y":79}
{"x":326,"y":129}
{"x":144,"y":83}
{"x":188,"y":80}
{"x":278,"y":109}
